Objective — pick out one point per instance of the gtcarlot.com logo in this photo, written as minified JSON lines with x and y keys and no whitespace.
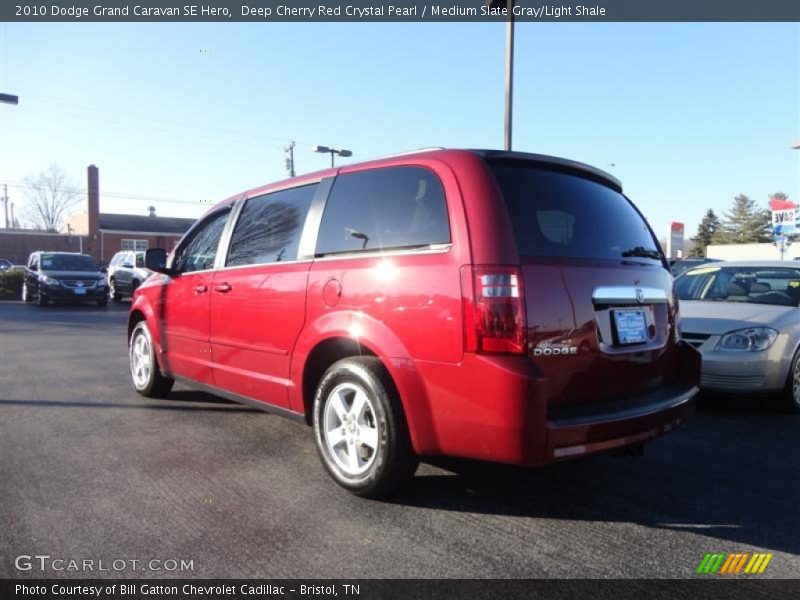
{"x":45,"y":562}
{"x":741,"y":563}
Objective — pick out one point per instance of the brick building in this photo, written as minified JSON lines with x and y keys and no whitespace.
{"x":105,"y":234}
{"x":16,"y":245}
{"x":100,"y":234}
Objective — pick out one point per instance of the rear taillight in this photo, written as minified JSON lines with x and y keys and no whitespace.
{"x":494,"y":309}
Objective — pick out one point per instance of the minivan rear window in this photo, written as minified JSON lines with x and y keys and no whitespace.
{"x":557,"y":214}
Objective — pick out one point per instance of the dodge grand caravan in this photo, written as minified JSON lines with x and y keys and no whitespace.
{"x":492,"y":305}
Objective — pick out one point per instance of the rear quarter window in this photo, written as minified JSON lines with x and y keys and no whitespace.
{"x":395,"y":207}
{"x":557,"y":214}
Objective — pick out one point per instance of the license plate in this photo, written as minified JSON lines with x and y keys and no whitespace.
{"x":631,"y":326}
{"x":80,"y":291}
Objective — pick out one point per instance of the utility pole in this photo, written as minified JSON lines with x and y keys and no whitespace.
{"x":508,"y":7}
{"x":509,"y":73}
{"x":13,"y":219}
{"x":289,"y":162}
{"x":5,"y":203}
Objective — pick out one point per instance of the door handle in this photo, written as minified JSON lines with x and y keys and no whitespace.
{"x":200,"y":289}
{"x":223,"y":288}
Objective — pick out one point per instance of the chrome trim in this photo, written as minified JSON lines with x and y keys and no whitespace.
{"x":628,"y":295}
{"x":263,"y":264}
{"x":432,"y":249}
{"x":308,"y":238}
{"x":71,"y":283}
{"x":227,"y":233}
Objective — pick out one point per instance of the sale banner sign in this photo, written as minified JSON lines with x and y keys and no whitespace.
{"x":784,"y":217}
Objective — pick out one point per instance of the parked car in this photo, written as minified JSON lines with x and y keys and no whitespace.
{"x":63,"y":277}
{"x":426,"y":304}
{"x":679,"y":266}
{"x":5,"y":264}
{"x":126,"y":272}
{"x":744,"y":317}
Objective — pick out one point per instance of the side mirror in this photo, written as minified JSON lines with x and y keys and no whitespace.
{"x":155,"y":259}
{"x":103,"y":269}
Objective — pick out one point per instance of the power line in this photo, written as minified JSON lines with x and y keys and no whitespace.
{"x":120,"y":195}
{"x":143,"y":116}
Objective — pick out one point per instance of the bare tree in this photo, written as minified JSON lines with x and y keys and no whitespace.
{"x":49,"y":195}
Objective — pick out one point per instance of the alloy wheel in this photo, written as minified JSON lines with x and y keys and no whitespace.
{"x":140,"y":360}
{"x":350,"y":428}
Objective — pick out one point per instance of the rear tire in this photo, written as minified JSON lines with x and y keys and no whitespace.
{"x":792,"y":392}
{"x":145,"y":370}
{"x":360,"y":429}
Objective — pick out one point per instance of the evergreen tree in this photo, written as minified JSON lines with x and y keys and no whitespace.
{"x":705,"y":233}
{"x":778,"y":196}
{"x":745,"y":223}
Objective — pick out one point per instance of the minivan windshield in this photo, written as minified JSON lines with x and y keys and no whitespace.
{"x":68,"y":262}
{"x":756,"y":285}
{"x":557,"y":214}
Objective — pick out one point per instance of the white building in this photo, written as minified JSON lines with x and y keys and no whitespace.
{"x":765,"y":251}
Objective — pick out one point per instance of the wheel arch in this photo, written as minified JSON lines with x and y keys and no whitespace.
{"x":331,"y":339}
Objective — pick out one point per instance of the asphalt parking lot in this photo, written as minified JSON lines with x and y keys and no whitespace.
{"x":90,"y":470}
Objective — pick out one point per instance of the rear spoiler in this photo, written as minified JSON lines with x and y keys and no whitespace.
{"x":554,"y":161}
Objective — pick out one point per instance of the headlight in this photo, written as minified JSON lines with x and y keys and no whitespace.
{"x":48,"y":280}
{"x":748,"y":340}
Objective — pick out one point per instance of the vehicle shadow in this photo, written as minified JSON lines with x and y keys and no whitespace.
{"x":176,"y":400}
{"x":20,"y":317}
{"x":705,"y":479}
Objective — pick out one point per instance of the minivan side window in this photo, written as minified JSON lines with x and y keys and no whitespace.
{"x":269,"y":227}
{"x":197,"y":252}
{"x":394,"y":207}
{"x":139,"y":261}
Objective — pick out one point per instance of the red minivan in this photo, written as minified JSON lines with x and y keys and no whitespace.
{"x":493,"y":305}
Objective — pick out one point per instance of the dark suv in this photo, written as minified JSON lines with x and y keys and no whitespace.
{"x":126,"y":272}
{"x":491,"y":305}
{"x":63,"y":276}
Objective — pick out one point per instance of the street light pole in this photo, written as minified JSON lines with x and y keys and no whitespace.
{"x":332,"y":152}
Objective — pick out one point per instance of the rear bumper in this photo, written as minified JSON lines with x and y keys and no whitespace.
{"x":634,"y":421}
{"x":495,"y":408}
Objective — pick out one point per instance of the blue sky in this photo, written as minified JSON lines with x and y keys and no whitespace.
{"x":689,"y":114}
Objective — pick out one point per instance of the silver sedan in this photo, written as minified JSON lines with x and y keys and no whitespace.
{"x":744,"y":318}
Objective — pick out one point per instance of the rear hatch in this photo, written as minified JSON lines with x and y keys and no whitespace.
{"x":597,"y":291}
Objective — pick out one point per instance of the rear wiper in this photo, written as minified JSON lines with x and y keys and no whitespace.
{"x":642,"y":252}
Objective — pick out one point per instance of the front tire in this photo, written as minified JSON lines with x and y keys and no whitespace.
{"x":41,"y":299}
{"x":26,"y":297}
{"x":793,"y":385}
{"x":360,"y":429}
{"x":145,"y":371}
